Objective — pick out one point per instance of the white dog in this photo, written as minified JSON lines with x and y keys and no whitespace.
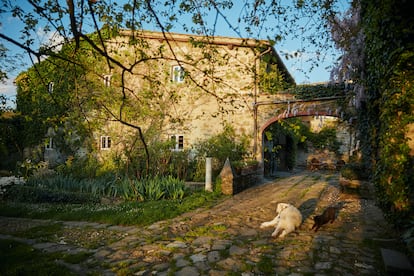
{"x":287,"y":220}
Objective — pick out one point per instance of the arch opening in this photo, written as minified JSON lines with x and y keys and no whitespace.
{"x":290,"y":143}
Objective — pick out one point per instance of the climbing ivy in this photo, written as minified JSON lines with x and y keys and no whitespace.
{"x":388,"y":109}
{"x":311,"y":91}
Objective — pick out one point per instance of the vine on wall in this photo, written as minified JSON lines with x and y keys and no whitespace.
{"x":388,"y":110}
{"x":307,"y":92}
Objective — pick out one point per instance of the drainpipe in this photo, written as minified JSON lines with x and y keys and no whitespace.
{"x":255,"y":128}
{"x":255,"y":106}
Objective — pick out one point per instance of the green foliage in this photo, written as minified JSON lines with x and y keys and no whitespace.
{"x":43,"y":232}
{"x":220,"y":147}
{"x":291,"y":126}
{"x":30,"y":194}
{"x":20,"y":259}
{"x":27,"y":167}
{"x":307,"y":92}
{"x":68,"y":189}
{"x":271,"y":79}
{"x":152,"y":188}
{"x":163,"y":161}
{"x":265,"y":264}
{"x":385,"y":115}
{"x":355,"y":171}
{"x":86,"y":167}
{"x":325,"y":139}
{"x":239,"y":165}
{"x":11,"y":140}
{"x":103,"y":186}
{"x":293,"y":130}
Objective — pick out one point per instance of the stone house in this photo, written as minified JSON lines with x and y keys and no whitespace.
{"x":194,"y":85}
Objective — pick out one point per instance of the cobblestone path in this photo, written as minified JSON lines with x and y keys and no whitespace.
{"x":227,"y":239}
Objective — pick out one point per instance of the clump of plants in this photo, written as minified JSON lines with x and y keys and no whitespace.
{"x":155,"y":188}
{"x":220,"y":147}
{"x":320,"y":90}
{"x":17,"y":258}
{"x":68,"y":189}
{"x":325,"y":139}
{"x":244,"y":165}
{"x":354,"y":171}
{"x":29,"y":194}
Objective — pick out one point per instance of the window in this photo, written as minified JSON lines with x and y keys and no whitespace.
{"x":177,"y":74}
{"x":49,"y":143}
{"x":105,"y":142}
{"x":107,"y":80}
{"x":178,"y":142}
{"x":50,"y":87}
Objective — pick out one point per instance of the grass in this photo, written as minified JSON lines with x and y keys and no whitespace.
{"x":20,"y":259}
{"x":126,"y":213}
{"x":41,"y":233}
{"x":208,"y":230}
{"x":265,"y":265}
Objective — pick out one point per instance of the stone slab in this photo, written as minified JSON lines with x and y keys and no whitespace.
{"x":396,"y":261}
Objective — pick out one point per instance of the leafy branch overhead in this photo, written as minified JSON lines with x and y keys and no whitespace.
{"x":83,"y":46}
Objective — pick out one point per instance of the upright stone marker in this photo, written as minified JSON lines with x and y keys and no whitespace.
{"x":227,"y":177}
{"x":209,"y":184}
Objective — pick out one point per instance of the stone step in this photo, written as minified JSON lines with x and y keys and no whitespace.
{"x":396,"y":262}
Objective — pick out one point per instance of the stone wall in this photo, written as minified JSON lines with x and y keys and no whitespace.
{"x":233,"y":183}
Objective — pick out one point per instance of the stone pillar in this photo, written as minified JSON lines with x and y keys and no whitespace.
{"x":209,"y":185}
{"x":227,"y":177}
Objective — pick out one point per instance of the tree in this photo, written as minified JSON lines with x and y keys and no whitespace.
{"x":91,"y":23}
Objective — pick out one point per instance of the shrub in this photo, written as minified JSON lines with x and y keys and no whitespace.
{"x":220,"y":147}
{"x":326,"y":138}
{"x":82,"y":167}
{"x":354,"y":171}
{"x":30,"y":194}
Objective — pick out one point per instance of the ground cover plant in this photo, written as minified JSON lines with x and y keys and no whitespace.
{"x":20,"y":259}
{"x":67,"y":188}
{"x":140,"y":203}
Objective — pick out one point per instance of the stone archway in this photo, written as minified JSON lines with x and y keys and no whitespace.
{"x":282,"y":159}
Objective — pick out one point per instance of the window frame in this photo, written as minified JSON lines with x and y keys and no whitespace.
{"x":177,"y":76}
{"x":105,"y":142}
{"x":178,"y":140}
{"x":107,"y":80}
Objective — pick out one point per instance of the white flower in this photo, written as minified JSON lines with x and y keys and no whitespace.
{"x":10,"y":180}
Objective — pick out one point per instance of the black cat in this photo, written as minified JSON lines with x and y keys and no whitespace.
{"x":328,"y":215}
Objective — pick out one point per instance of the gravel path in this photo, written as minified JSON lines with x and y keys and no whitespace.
{"x":227,"y":239}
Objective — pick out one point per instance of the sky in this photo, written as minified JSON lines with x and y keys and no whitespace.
{"x":299,"y":67}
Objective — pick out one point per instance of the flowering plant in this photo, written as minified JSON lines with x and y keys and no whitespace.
{"x":9,"y":181}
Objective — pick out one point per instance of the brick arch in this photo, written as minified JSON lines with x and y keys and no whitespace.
{"x":296,"y":114}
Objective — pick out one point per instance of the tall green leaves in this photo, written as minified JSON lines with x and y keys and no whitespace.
{"x":145,"y":189}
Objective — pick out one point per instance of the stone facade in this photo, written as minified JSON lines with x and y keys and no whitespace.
{"x":193,"y":85}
